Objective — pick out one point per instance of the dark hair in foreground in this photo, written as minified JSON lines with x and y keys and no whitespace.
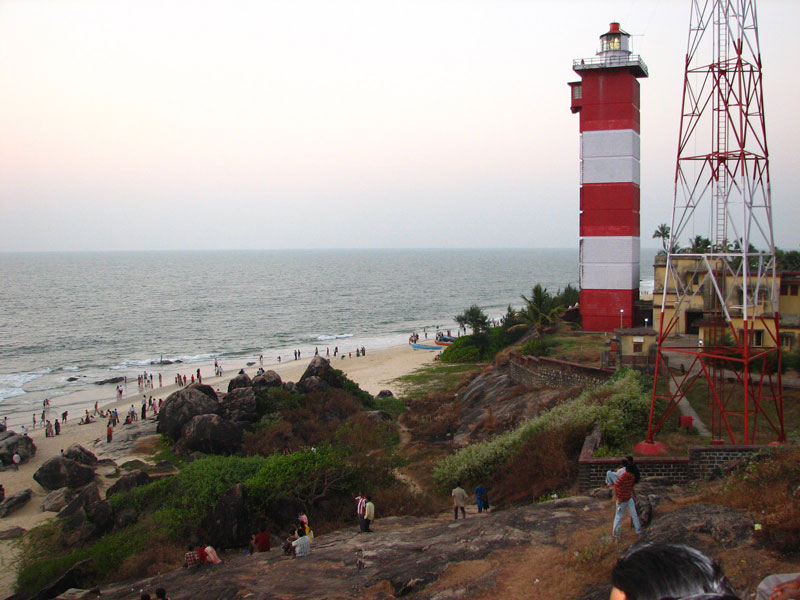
{"x":670,"y":571}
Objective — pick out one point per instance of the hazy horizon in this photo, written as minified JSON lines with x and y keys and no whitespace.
{"x":175,"y":125}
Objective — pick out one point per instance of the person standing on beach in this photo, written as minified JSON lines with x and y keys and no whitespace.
{"x":64,"y":416}
{"x":109,"y":433}
{"x":16,"y":460}
{"x":57,"y":426}
{"x":34,"y":420}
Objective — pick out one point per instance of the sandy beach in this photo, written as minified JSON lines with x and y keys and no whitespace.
{"x":374,"y":372}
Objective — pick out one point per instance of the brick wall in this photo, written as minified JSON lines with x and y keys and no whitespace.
{"x":530,"y":371}
{"x":703,"y":462}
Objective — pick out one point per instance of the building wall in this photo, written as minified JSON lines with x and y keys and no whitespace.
{"x":703,"y":462}
{"x":534,"y":372}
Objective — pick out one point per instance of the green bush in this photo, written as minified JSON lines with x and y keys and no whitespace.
{"x":621,"y":408}
{"x":542,"y":346}
{"x":483,"y":346}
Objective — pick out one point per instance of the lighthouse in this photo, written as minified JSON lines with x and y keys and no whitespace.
{"x":607,"y":98}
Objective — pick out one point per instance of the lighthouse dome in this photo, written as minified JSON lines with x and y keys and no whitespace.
{"x":615,"y":42}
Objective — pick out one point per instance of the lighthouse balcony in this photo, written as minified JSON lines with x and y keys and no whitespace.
{"x":633,"y":62}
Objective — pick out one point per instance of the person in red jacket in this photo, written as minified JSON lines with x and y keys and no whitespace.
{"x":623,"y":494}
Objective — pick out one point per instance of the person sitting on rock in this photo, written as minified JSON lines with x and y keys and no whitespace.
{"x":211,"y":555}
{"x":657,"y":571}
{"x":301,"y":546}
{"x":191,"y":560}
{"x":259,"y":542}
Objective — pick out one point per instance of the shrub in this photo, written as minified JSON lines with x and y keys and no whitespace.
{"x":483,"y":346}
{"x":542,"y":346}
{"x":618,"y":407}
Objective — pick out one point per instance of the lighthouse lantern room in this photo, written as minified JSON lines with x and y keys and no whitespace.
{"x":607,"y":98}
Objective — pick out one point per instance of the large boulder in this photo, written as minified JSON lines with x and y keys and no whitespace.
{"x":229,"y":526}
{"x":267,"y":379}
{"x":58,"y":499}
{"x":58,"y":472}
{"x":181,"y":407}
{"x":696,"y":524}
{"x":15,"y":501}
{"x":242,"y":380}
{"x":311,"y":384}
{"x":129,"y":481}
{"x":211,"y":434}
{"x":11,"y":442}
{"x":379,"y":416}
{"x":240,"y":406}
{"x":321,"y":368}
{"x":204,"y":388}
{"x":87,"y":516}
{"x":80,"y":454}
{"x":385,"y":394}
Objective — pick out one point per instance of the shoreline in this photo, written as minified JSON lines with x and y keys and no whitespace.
{"x":377,"y":370}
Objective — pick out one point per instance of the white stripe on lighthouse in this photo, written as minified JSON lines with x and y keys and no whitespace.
{"x":609,"y":276}
{"x":610,"y":156}
{"x":609,"y":249}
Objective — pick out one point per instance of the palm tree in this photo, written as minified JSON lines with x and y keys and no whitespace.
{"x":698,"y":245}
{"x":662,"y":232}
{"x":540,"y":310}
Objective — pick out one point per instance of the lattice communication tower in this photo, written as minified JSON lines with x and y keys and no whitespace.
{"x":723,"y":287}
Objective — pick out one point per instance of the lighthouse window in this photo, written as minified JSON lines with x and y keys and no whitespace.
{"x":577,"y":92}
{"x":612,"y":42}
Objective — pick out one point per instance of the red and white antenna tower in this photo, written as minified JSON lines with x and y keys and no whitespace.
{"x":723,"y":285}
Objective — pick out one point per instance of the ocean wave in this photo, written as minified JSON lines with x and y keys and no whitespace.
{"x":11,"y":384}
{"x":156,"y":361}
{"x":325,"y":338}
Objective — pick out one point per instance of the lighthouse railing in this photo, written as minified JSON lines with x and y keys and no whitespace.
{"x":605,"y":62}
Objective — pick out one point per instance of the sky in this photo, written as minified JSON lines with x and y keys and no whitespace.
{"x":188,"y":124}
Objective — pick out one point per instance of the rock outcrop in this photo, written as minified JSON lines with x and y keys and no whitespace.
{"x":240,"y":406}
{"x":267,"y":379}
{"x":229,"y":524}
{"x":242,"y":380}
{"x":211,"y":434}
{"x":321,"y":369}
{"x":385,"y":394}
{"x":181,"y":407}
{"x":80,"y":454}
{"x":59,"y":472}
{"x":311,"y":384}
{"x":129,"y":481}
{"x":204,"y":388}
{"x":11,"y":442}
{"x":15,"y":501}
{"x":87,"y":516}
{"x":58,"y":499}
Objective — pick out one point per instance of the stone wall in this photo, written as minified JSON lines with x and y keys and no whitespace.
{"x":530,"y":371}
{"x":703,"y":462}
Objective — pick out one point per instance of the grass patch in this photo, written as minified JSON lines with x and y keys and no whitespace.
{"x":435,"y":378}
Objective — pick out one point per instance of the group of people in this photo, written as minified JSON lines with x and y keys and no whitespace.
{"x":365,"y":511}
{"x":298,"y":543}
{"x":145,"y":380}
{"x":199,"y":555}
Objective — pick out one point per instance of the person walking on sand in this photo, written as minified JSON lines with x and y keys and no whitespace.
{"x":109,"y":433}
{"x":16,"y":460}
{"x":459,"y":501}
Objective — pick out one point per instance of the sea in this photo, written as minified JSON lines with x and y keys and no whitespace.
{"x":68,"y":320}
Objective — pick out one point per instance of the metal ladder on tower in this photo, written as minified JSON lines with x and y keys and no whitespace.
{"x":721,"y":126}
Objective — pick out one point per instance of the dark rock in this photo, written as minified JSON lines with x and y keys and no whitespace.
{"x":644,"y":508}
{"x":86,"y":517}
{"x":133,"y":465}
{"x":11,"y":442}
{"x":110,"y":380}
{"x":240,"y":406}
{"x":125,"y":517}
{"x":385,"y":394}
{"x":602,"y":492}
{"x":288,"y":386}
{"x":212,"y":434}
{"x":180,"y":407}
{"x":229,"y":526}
{"x":80,"y":454}
{"x":12,"y":533}
{"x":251,"y":363}
{"x":321,"y":368}
{"x":72,"y":379}
{"x":15,"y":501}
{"x":129,"y":481}
{"x":163,"y":361}
{"x":79,"y":594}
{"x":58,"y":472}
{"x":379,"y":416}
{"x":204,"y":388}
{"x":58,"y":499}
{"x":311,"y":384}
{"x":267,"y":379}
{"x":694,"y":524}
{"x":240,"y":381}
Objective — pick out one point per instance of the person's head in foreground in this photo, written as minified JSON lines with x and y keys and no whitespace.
{"x":669,"y":572}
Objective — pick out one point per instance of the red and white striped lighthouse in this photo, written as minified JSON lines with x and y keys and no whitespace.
{"x":607,"y":98}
